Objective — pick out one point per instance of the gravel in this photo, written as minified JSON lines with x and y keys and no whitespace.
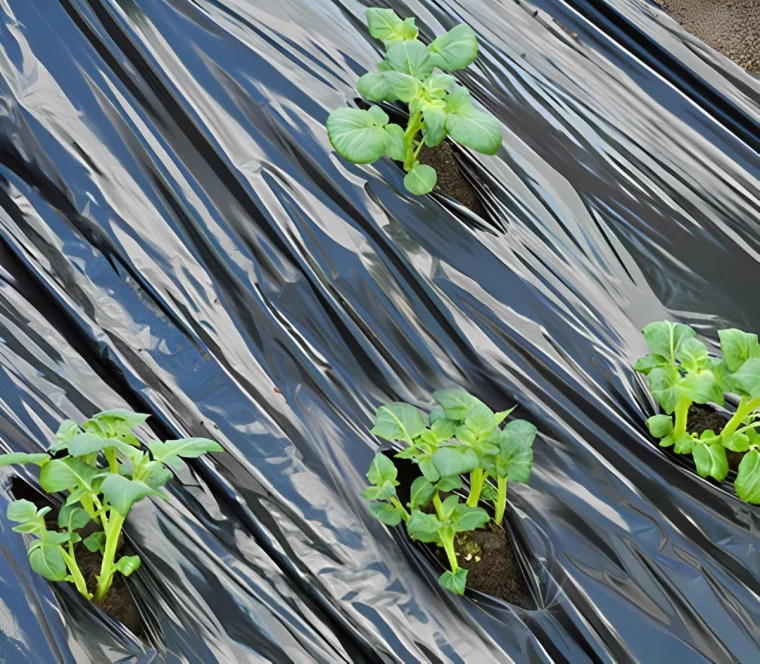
{"x":729,"y":26}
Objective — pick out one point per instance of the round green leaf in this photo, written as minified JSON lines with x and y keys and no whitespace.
{"x":711,"y":461}
{"x":470,"y":518}
{"x":61,"y":474}
{"x":386,"y":513}
{"x":748,"y":478}
{"x":747,"y":377}
{"x":738,"y":347}
{"x":186,"y":448}
{"x":96,"y":541}
{"x":22,"y":457}
{"x":384,"y":24}
{"x":410,"y":57}
{"x":398,"y":421}
{"x":122,"y":493}
{"x":480,"y":420}
{"x":355,"y":134}
{"x":449,"y":483}
{"x":455,"y":460}
{"x":515,"y":458}
{"x":737,"y":442}
{"x":474,"y":129}
{"x":67,"y":429}
{"x":404,"y":87}
{"x":22,"y":511}
{"x":692,"y":354}
{"x":683,"y":445}
{"x":457,"y":49}
{"x":128,"y":564}
{"x":374,"y":86}
{"x":423,"y":527}
{"x":434,"y":129}
{"x":395,"y":146}
{"x":443,"y":430}
{"x":699,"y":386}
{"x":429,"y":470}
{"x":421,"y":493}
{"x":648,"y":362}
{"x":456,"y":403}
{"x":660,"y":425}
{"x":665,"y":337}
{"x":47,"y":561}
{"x":421,"y":180}
{"x":456,"y":583}
{"x":662,"y":385}
{"x":381,"y":470}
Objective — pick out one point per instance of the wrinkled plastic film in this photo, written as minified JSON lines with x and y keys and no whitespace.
{"x":178,"y":237}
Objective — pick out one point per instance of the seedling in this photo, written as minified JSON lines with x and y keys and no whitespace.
{"x":417,"y":75}
{"x":104,"y":471}
{"x":681,"y":372}
{"x":462,"y":438}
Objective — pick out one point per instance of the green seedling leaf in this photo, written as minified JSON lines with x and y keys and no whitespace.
{"x":421,"y":493}
{"x":469,"y":126}
{"x":22,"y":457}
{"x":395,"y":146}
{"x":22,"y":511}
{"x":747,"y":482}
{"x":648,"y":362}
{"x":660,"y":425}
{"x":398,"y":421}
{"x":96,"y":542}
{"x":662,"y":384}
{"x":117,"y":421}
{"x":456,"y":583}
{"x":62,"y":474}
{"x":455,"y":460}
{"x":72,"y":518}
{"x":469,"y":518}
{"x":501,"y":416}
{"x":668,"y":441}
{"x":457,"y":49}
{"x":423,"y":527}
{"x":434,"y":129}
{"x":515,"y":458}
{"x":410,"y":57}
{"x":155,"y":475}
{"x":451,"y":483}
{"x":386,"y":513}
{"x":87,"y":443}
{"x":429,"y":470}
{"x":443,"y":430}
{"x":67,"y":430}
{"x":187,"y":448}
{"x":385,"y":25}
{"x":692,"y":354}
{"x":711,"y":460}
{"x":47,"y":561}
{"x":436,"y":415}
{"x":382,"y":470}
{"x":700,"y":387}
{"x":665,"y":337}
{"x":421,"y":180}
{"x":456,"y":404}
{"x":128,"y":564}
{"x":123,"y":493}
{"x":356,"y":135}
{"x":489,"y":492}
{"x":53,"y":538}
{"x":480,"y":420}
{"x":747,"y":377}
{"x":737,"y":442}
{"x":375,"y":87}
{"x":738,"y":347}
{"x":449,"y":507}
{"x":684,"y":445}
{"x":404,"y":87}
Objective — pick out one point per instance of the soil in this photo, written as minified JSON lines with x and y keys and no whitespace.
{"x":704,"y":418}
{"x":451,"y":181}
{"x":487,"y":554}
{"x":118,"y":603}
{"x":729,"y":26}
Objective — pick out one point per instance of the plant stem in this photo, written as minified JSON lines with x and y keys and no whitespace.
{"x":438,"y":506}
{"x":451,"y":554}
{"x":744,"y":408}
{"x":476,"y":486}
{"x":397,"y":504}
{"x":87,"y":503}
{"x":415,"y":122}
{"x":113,"y":465}
{"x":107,"y":568}
{"x":682,"y":411}
{"x":76,"y":573}
{"x":501,"y":500}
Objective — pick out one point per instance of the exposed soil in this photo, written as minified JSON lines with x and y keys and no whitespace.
{"x":118,"y":603}
{"x":729,"y":26}
{"x":487,"y":554}
{"x":705,"y":418}
{"x":451,"y":181}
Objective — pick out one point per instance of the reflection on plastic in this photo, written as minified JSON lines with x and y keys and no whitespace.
{"x":178,"y":237}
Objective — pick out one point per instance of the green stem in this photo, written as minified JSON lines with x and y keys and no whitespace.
{"x":754,"y":425}
{"x":476,"y":486}
{"x":107,"y":568}
{"x":415,"y":122}
{"x":113,"y":465}
{"x":438,"y":506}
{"x":419,"y":149}
{"x":501,"y":500}
{"x":448,"y":545}
{"x":397,"y":504}
{"x":682,"y":411}
{"x":745,"y":407}
{"x":76,"y":573}
{"x":87,"y":503}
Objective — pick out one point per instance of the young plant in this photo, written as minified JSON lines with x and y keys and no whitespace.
{"x":417,"y":75}
{"x":104,"y":472}
{"x":680,"y":372}
{"x":462,"y":438}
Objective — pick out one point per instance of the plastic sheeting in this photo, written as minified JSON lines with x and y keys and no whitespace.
{"x":178,"y":237}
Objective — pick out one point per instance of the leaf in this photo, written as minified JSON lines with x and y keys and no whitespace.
{"x":381,"y":470}
{"x":67,"y":429}
{"x":684,"y":445}
{"x":692,"y":354}
{"x":662,"y":385}
{"x":128,"y":564}
{"x":405,"y":87}
{"x":155,"y":475}
{"x":186,"y":448}
{"x":375,"y":87}
{"x":386,"y":513}
{"x":738,"y":347}
{"x":62,"y":474}
{"x":451,"y":483}
{"x":385,"y":25}
{"x":22,"y":511}
{"x":747,"y":377}
{"x":436,"y":415}
{"x":423,"y":527}
{"x":420,"y":180}
{"x":456,"y":583}
{"x":648,"y":362}
{"x":434,"y":129}
{"x":480,"y":420}
{"x":502,"y":415}
{"x":737,"y":442}
{"x":429,"y":470}
{"x":22,"y":457}
{"x":123,"y":493}
{"x":515,"y":458}
{"x":53,"y":538}
{"x":356,"y":135}
{"x":457,"y":49}
{"x":119,"y":421}
{"x":398,"y":421}
{"x":474,"y":129}
{"x":438,"y":84}
{"x":456,"y":404}
{"x":748,"y":478}
{"x":96,"y":542}
{"x":522,"y":430}
{"x":76,"y":516}
{"x":451,"y":460}
{"x":667,"y":441}
{"x":660,"y":425}
{"x":665,"y":337}
{"x":470,"y":518}
{"x":421,"y":493}
{"x":47,"y":561}
{"x":443,"y":430}
{"x":395,"y":146}
{"x":711,"y":460}
{"x":699,"y":386}
{"x":410,"y":57}
{"x":87,"y":443}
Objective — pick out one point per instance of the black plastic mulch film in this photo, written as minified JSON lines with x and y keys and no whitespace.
{"x":178,"y":237}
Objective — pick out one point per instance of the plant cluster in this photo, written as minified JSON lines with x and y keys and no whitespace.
{"x":462,"y":438}
{"x":104,"y":470}
{"x":418,"y":75}
{"x":681,"y":372}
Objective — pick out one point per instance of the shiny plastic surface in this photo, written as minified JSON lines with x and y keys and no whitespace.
{"x":177,"y":236}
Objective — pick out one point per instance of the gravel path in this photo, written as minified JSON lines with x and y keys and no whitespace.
{"x":730,"y":26}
